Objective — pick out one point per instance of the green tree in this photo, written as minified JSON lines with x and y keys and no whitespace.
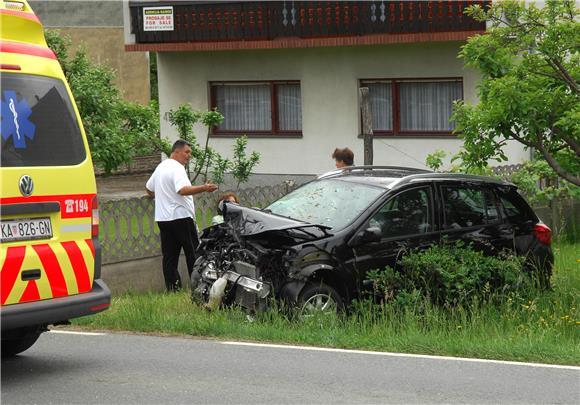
{"x":530,"y":89}
{"x":242,"y":165}
{"x":141,"y":124}
{"x":117,"y":130}
{"x":209,"y":119}
{"x":98,"y":101}
{"x":205,"y":159}
{"x":183,"y":118}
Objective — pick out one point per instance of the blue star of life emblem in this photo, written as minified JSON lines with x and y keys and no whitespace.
{"x":15,"y":122}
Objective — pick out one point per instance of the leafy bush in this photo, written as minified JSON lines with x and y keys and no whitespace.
{"x":117,"y":130}
{"x":242,"y":165}
{"x":142,"y":128}
{"x":532,"y":173}
{"x":434,"y":161}
{"x":205,"y":159}
{"x":449,"y":275}
{"x":183,"y":118}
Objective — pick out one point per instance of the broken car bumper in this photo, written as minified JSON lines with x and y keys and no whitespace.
{"x":261,"y":289}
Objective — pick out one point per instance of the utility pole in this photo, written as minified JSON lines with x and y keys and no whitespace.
{"x":367,"y":125}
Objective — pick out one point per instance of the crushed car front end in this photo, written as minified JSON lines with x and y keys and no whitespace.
{"x":246,"y":260}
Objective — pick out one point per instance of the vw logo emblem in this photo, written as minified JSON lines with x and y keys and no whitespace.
{"x":26,"y":185}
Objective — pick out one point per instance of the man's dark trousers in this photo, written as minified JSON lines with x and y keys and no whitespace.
{"x":176,"y":235}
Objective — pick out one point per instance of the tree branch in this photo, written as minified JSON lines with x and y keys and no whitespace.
{"x":555,"y":165}
{"x":564,"y":75}
{"x":547,"y":75}
{"x":521,"y":140}
{"x":571,"y":142}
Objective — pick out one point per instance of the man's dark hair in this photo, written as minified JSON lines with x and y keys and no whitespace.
{"x":344,"y":155}
{"x":180,"y":144}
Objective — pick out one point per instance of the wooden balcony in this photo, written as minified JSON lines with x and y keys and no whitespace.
{"x":199,"y":22}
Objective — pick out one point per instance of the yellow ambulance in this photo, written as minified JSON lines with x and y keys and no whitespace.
{"x":49,"y":250}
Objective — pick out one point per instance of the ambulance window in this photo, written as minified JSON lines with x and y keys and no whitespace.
{"x":39,"y":127}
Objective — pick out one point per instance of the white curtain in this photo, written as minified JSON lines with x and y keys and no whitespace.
{"x":245,"y":107}
{"x":289,"y":107}
{"x":381,"y":100}
{"x":427,"y":106}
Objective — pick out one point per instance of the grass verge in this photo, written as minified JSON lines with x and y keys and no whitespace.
{"x":543,"y":329}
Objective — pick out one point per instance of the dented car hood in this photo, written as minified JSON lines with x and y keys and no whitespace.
{"x":251,"y":222}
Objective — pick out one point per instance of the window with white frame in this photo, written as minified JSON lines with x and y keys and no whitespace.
{"x":258,"y":108}
{"x":413,"y":107}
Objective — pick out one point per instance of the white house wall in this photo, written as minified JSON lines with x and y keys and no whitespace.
{"x":330,"y":110}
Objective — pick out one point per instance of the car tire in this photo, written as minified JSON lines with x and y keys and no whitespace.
{"x":18,"y":340}
{"x":317,"y":297}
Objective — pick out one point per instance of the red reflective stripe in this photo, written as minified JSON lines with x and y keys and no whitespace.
{"x":21,"y":14}
{"x":27,"y":49}
{"x":31,"y":292}
{"x":91,"y":246}
{"x":52,"y":270}
{"x":11,"y":270}
{"x":79,"y":266}
{"x":66,"y":210}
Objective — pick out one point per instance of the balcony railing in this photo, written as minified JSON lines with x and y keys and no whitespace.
{"x":268,"y":20}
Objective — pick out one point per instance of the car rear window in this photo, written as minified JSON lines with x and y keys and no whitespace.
{"x":514,"y":206}
{"x":39,"y":127}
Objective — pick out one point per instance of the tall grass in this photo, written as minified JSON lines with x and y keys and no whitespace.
{"x":544,"y":328}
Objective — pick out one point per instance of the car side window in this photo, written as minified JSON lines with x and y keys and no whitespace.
{"x":491,"y":207}
{"x":408,"y":213}
{"x":466,"y":206}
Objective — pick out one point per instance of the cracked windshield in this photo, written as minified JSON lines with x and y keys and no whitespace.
{"x":333,"y":203}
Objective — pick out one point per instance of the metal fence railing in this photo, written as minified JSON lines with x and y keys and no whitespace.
{"x":128,"y":230}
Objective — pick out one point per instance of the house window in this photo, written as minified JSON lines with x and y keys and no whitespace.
{"x":258,"y":108}
{"x":413,"y":107}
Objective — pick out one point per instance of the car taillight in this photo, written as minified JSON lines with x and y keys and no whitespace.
{"x":543,"y":233}
{"x":95,"y":217}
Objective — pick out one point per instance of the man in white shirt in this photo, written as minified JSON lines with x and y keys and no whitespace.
{"x":175,"y":212}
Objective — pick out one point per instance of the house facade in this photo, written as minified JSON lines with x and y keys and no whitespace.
{"x":288,"y":73}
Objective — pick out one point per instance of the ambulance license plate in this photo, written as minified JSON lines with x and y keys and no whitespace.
{"x":26,"y":229}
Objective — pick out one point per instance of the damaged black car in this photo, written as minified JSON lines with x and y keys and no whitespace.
{"x":312,"y":248}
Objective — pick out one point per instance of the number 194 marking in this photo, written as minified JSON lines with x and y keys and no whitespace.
{"x":73,"y":206}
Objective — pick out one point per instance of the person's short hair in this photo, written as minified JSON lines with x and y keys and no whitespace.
{"x":180,"y":144}
{"x":226,"y":196}
{"x":344,"y":155}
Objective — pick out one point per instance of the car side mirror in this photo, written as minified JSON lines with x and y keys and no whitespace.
{"x":369,"y":235}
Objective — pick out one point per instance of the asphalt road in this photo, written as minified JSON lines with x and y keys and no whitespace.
{"x":134,"y":369}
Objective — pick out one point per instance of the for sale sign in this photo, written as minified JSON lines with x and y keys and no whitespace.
{"x":158,"y":18}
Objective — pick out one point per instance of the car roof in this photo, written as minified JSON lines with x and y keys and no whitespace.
{"x":391,"y":177}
